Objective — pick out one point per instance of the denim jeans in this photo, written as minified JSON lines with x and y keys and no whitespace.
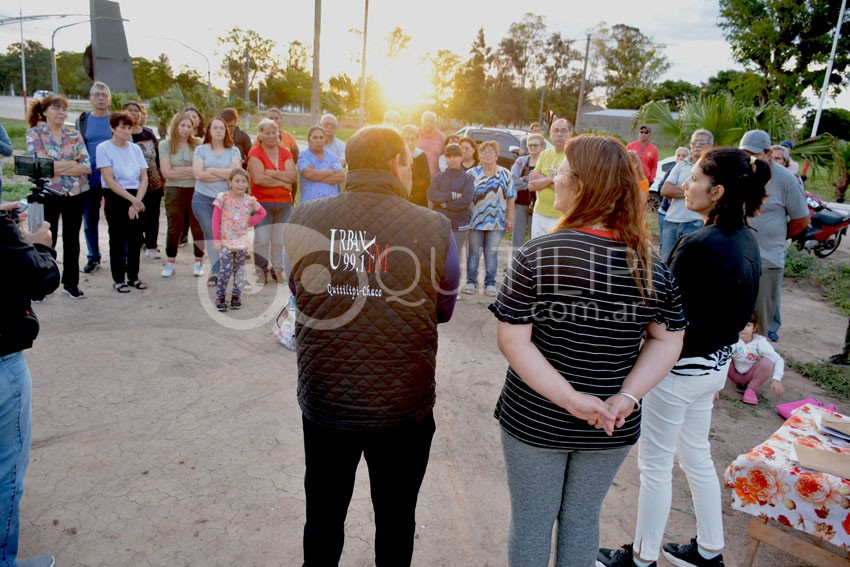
{"x":91,"y":218}
{"x":673,"y":231}
{"x":271,"y":229}
{"x":202,"y":206}
{"x":488,"y":241}
{"x":15,"y":413}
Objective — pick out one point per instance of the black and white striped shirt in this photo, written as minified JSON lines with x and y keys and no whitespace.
{"x":588,"y":319}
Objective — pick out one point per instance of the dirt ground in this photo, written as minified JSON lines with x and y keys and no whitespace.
{"x":167,"y":434}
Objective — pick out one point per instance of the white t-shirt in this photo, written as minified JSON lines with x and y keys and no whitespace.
{"x":678,"y":212}
{"x":127,"y":163}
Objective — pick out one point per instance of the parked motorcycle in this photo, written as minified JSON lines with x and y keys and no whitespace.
{"x":826,"y":228}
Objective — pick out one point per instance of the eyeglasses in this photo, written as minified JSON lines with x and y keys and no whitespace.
{"x":100,"y":95}
{"x":533,"y":145}
{"x":487,"y":153}
{"x":58,"y":107}
{"x":699,"y":142}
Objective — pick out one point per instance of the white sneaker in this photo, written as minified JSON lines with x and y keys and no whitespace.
{"x":168,"y":270}
{"x":469,"y":289}
{"x":153,"y":253}
{"x":198,"y":271}
{"x":40,"y":561}
{"x":491,"y":291}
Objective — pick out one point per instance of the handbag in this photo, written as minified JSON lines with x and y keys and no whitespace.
{"x":284,"y":325}
{"x":787,"y":408}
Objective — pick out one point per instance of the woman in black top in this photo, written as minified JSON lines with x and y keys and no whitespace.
{"x":717,"y":269}
{"x":589,"y":321}
{"x":147,"y":141}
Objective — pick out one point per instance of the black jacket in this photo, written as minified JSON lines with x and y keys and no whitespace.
{"x":366,"y":266}
{"x":28,"y":271}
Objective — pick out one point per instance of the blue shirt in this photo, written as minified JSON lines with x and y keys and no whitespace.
{"x":97,"y":131}
{"x":489,"y":209}
{"x":316,"y":189}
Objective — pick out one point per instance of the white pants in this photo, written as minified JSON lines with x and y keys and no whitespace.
{"x":541,"y":224}
{"x":676,"y":422}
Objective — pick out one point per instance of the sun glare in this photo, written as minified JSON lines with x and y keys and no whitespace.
{"x":404,"y":83}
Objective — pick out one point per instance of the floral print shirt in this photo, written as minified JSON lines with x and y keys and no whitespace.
{"x":235,"y":216}
{"x":72,"y":148}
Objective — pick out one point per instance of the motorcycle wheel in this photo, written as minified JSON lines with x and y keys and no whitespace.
{"x":827,"y":250}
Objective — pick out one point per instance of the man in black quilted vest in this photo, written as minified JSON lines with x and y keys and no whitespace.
{"x":372,"y":275}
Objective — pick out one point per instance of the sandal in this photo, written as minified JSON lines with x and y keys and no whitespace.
{"x":121,"y":287}
{"x":139,"y":284}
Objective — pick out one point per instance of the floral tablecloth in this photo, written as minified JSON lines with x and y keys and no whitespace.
{"x":766,"y":483}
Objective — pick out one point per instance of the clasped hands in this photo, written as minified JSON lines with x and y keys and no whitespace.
{"x":606,"y":415}
{"x":136,"y":207}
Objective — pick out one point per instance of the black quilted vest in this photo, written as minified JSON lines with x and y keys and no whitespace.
{"x":366,"y":266}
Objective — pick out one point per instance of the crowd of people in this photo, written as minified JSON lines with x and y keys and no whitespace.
{"x":592,"y":369}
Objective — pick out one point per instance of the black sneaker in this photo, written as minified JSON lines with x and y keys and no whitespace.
{"x":91,"y":266}
{"x":741,"y":388}
{"x":840,"y":359}
{"x":73,"y":292}
{"x":617,"y":557}
{"x":686,"y":555}
{"x":235,"y":303}
{"x":221,"y":304}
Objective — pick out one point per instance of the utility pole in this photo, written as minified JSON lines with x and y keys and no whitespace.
{"x":816,"y":123}
{"x":247,"y":94}
{"x":317,"y":85}
{"x":23,"y":60}
{"x":581,"y":89}
{"x":363,"y":69}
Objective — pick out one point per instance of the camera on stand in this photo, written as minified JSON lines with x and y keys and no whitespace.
{"x":40,"y":172}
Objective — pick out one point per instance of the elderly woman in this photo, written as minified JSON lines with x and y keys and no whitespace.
{"x":320,"y":172}
{"x":176,"y":161}
{"x":469,"y":149}
{"x":580,"y":355}
{"x":717,"y":269}
{"x":525,"y":199}
{"x":272,"y":171}
{"x":49,"y":137}
{"x":146,"y":140}
{"x":211,"y":167}
{"x":124,"y":172}
{"x":419,"y":168}
{"x":492,"y":212}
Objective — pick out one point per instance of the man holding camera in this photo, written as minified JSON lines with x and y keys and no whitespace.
{"x":30,"y":271}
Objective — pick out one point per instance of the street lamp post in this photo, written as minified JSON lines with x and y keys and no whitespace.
{"x":190,"y":48}
{"x":55,"y":77}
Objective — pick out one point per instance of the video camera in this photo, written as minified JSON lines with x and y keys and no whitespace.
{"x":40,"y":171}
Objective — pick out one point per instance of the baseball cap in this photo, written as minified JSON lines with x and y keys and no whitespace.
{"x":755,"y":141}
{"x":787,"y":143}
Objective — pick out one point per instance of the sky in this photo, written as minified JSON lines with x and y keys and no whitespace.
{"x":694,"y":43}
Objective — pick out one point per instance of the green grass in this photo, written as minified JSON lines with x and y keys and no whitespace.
{"x":17,"y":130}
{"x":830,"y":277}
{"x":831,"y":377}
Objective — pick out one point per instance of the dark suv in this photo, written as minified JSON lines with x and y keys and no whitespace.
{"x":505,"y":139}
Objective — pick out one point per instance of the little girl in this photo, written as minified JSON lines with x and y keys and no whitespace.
{"x":233,"y":212}
{"x":753,"y":362}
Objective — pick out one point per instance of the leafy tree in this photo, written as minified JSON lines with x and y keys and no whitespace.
{"x":397,"y":43}
{"x":745,"y":86}
{"x":835,"y":121}
{"x":297,"y":56}
{"x":152,"y":77}
{"x":629,"y":97}
{"x":71,"y":75}
{"x":788,"y":43}
{"x":290,"y":87}
{"x":521,"y":48}
{"x":554,"y":62}
{"x":629,"y":58}
{"x":470,"y":89}
{"x":189,"y":79}
{"x":444,"y":67}
{"x":674,"y":92}
{"x":38,"y":63}
{"x":240,"y":44}
{"x":346,"y":94}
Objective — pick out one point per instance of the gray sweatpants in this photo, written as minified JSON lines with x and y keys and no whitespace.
{"x":550,"y":484}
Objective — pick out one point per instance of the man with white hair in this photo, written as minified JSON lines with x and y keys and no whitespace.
{"x":431,"y":141}
{"x":785,"y":200}
{"x":336,"y":146}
